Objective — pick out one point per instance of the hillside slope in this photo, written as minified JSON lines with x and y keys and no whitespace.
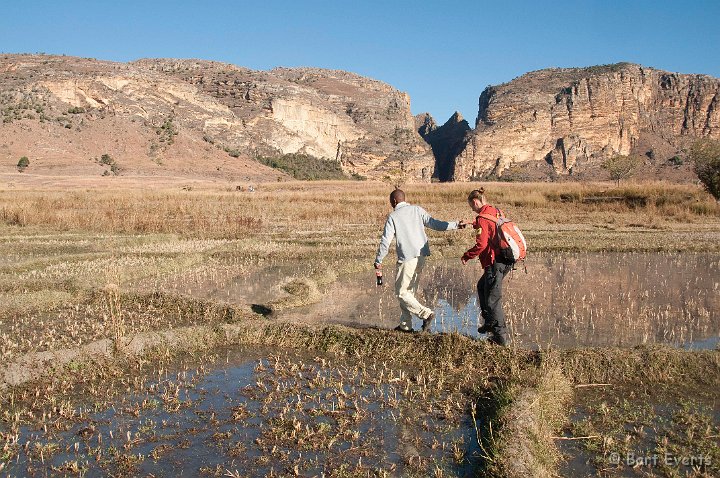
{"x":199,"y":119}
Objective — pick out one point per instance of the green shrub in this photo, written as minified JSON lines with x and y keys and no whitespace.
{"x":706,"y":156}
{"x":107,"y":160}
{"x":167,"y":131}
{"x":23,"y":163}
{"x":76,"y":110}
{"x":676,"y":161}
{"x":305,"y":167}
{"x":235,"y":153}
{"x":621,"y":166}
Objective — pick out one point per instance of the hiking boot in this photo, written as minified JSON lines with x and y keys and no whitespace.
{"x":498,"y":339}
{"x":427,"y":321}
{"x":400,"y":328}
{"x":484,"y":329}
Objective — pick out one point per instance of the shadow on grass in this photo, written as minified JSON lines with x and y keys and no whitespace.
{"x":263,"y":310}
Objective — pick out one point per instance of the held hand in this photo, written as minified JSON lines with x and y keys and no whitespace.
{"x":377,"y":265}
{"x":463,"y":223}
{"x":463,"y":260}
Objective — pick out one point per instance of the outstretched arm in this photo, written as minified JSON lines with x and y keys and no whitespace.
{"x":436,"y":224}
{"x":481,"y":242}
{"x":385,"y":240}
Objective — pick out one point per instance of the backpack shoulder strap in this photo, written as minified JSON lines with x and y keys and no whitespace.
{"x":489,"y":217}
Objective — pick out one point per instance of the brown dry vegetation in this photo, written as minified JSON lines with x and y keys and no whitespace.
{"x":57,"y":246}
{"x":82,"y":265}
{"x":340,"y":207}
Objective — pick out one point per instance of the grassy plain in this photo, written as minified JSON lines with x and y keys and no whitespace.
{"x":83,"y":265}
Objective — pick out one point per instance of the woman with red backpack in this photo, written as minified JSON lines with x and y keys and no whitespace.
{"x":498,"y":245}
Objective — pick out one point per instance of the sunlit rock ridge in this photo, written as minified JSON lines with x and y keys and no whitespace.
{"x":195,"y":116}
{"x":566,"y":121}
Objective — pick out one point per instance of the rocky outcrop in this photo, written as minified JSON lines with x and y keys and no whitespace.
{"x":192,"y":117}
{"x":566,"y":121}
{"x":446,"y":141}
{"x":364,"y":124}
{"x":180,"y":116}
{"x":425,"y":124}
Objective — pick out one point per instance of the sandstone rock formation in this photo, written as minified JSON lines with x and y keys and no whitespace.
{"x":425,"y":124}
{"x":566,"y":121}
{"x":446,"y":141}
{"x":190,"y":117}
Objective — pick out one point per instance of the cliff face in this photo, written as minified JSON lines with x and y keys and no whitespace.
{"x":566,"y":121}
{"x":446,"y":141}
{"x":183,"y":115}
{"x":382,"y":138}
{"x":193,"y":117}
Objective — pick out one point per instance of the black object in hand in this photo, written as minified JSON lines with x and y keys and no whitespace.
{"x":378,"y":275}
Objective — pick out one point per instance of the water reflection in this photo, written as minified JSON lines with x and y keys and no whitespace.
{"x":257,"y":413}
{"x":578,"y":299}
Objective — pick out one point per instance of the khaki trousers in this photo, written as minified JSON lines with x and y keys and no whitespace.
{"x":406,"y":283}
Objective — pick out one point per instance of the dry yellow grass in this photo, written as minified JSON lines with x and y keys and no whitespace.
{"x":55,"y":244}
{"x":86,"y":265}
{"x":302,"y":206}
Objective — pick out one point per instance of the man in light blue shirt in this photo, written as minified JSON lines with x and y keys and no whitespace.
{"x":407,"y":225}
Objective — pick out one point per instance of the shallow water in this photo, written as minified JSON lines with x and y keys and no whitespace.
{"x":626,"y":431}
{"x":257,"y":413}
{"x":566,"y":300}
{"x":233,"y":284}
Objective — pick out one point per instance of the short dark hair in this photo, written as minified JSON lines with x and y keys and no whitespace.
{"x":398,"y":195}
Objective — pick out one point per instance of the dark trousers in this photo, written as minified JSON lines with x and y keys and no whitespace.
{"x":489,"y":289}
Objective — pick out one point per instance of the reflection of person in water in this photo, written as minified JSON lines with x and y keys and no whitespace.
{"x":407,"y":225}
{"x":486,"y":249}
{"x":445,"y":282}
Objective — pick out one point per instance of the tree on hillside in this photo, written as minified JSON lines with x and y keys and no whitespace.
{"x":706,"y":156}
{"x":621,"y":166}
{"x":23,"y":163}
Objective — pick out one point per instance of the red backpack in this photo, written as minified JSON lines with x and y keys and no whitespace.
{"x":512,"y":244}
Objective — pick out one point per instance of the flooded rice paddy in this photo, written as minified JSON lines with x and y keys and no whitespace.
{"x":287,"y":413}
{"x":232,"y":285}
{"x":562,"y":299}
{"x":566,"y":300}
{"x":630,"y":431}
{"x":259,"y":413}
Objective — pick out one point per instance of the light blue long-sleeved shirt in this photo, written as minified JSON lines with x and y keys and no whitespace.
{"x":407,"y":225}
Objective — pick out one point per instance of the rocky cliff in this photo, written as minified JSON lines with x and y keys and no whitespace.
{"x":199,"y":118}
{"x":159,"y":116}
{"x":566,"y":121}
{"x":446,"y":141}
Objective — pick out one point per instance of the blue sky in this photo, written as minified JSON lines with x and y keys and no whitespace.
{"x":443,"y":53}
